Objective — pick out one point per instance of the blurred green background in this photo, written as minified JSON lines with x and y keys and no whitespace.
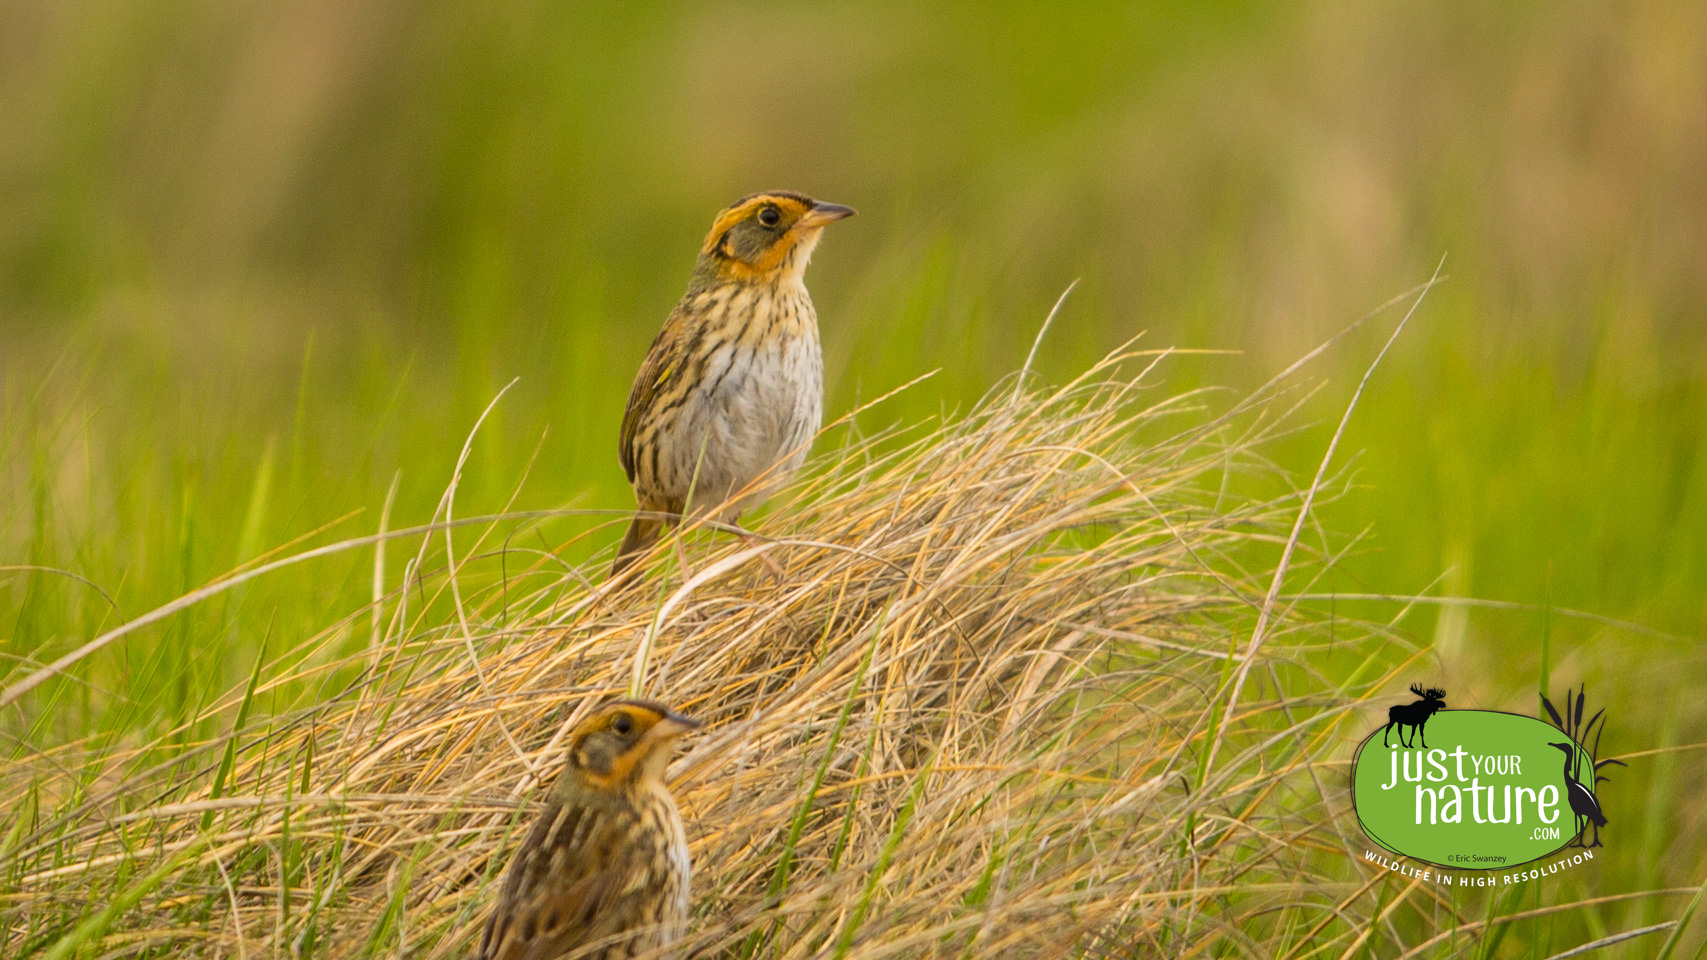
{"x":257,"y":259}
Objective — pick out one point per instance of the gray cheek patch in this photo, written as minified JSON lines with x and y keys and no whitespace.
{"x":596,"y":757}
{"x":749,"y":242}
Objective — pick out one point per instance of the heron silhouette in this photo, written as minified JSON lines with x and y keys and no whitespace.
{"x":1583,"y":803}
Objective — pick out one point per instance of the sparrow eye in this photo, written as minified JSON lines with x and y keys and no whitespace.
{"x":623,"y":724}
{"x":770,"y":216}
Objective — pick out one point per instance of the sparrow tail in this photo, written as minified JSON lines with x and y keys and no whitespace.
{"x":642,"y":533}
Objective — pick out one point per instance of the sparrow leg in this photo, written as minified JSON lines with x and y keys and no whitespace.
{"x":682,"y":552}
{"x":750,"y":540}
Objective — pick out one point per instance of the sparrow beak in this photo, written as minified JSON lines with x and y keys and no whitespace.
{"x":825,"y":213}
{"x":673,"y":725}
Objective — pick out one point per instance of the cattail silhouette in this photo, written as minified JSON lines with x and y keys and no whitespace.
{"x":1584,"y":804}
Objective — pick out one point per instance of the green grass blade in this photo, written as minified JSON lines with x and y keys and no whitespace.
{"x":90,"y":932}
{"x":1676,"y":937}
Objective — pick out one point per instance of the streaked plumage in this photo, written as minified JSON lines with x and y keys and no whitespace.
{"x":606,"y":863}
{"x":731,"y":392}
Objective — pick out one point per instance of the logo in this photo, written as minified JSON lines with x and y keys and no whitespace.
{"x":1480,"y":789}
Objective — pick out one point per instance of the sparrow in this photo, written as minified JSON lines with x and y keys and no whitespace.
{"x":604,"y":870}
{"x":731,"y":393}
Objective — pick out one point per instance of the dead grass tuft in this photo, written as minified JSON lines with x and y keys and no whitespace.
{"x":972,"y":722}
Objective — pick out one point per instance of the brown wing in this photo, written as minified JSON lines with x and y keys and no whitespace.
{"x":563,"y":881}
{"x":661,"y":363}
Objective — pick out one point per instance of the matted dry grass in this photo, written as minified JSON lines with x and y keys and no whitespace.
{"x":985,"y":714}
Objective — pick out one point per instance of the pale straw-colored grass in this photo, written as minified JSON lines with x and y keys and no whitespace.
{"x":972,"y":720}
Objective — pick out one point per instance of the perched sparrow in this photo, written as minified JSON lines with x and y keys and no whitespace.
{"x":731,"y":392}
{"x":604,"y":870}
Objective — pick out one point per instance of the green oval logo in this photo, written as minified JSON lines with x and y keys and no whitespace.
{"x":1473,"y":789}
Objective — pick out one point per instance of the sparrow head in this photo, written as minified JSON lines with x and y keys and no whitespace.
{"x":625,"y":743}
{"x":765,"y":237}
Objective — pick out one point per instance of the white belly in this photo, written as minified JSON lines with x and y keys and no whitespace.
{"x":758,"y":410}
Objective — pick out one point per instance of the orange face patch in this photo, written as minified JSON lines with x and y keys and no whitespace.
{"x":791,"y":206}
{"x":610,"y":743}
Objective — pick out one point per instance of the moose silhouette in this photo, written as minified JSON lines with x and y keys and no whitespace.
{"x":1414,"y":715}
